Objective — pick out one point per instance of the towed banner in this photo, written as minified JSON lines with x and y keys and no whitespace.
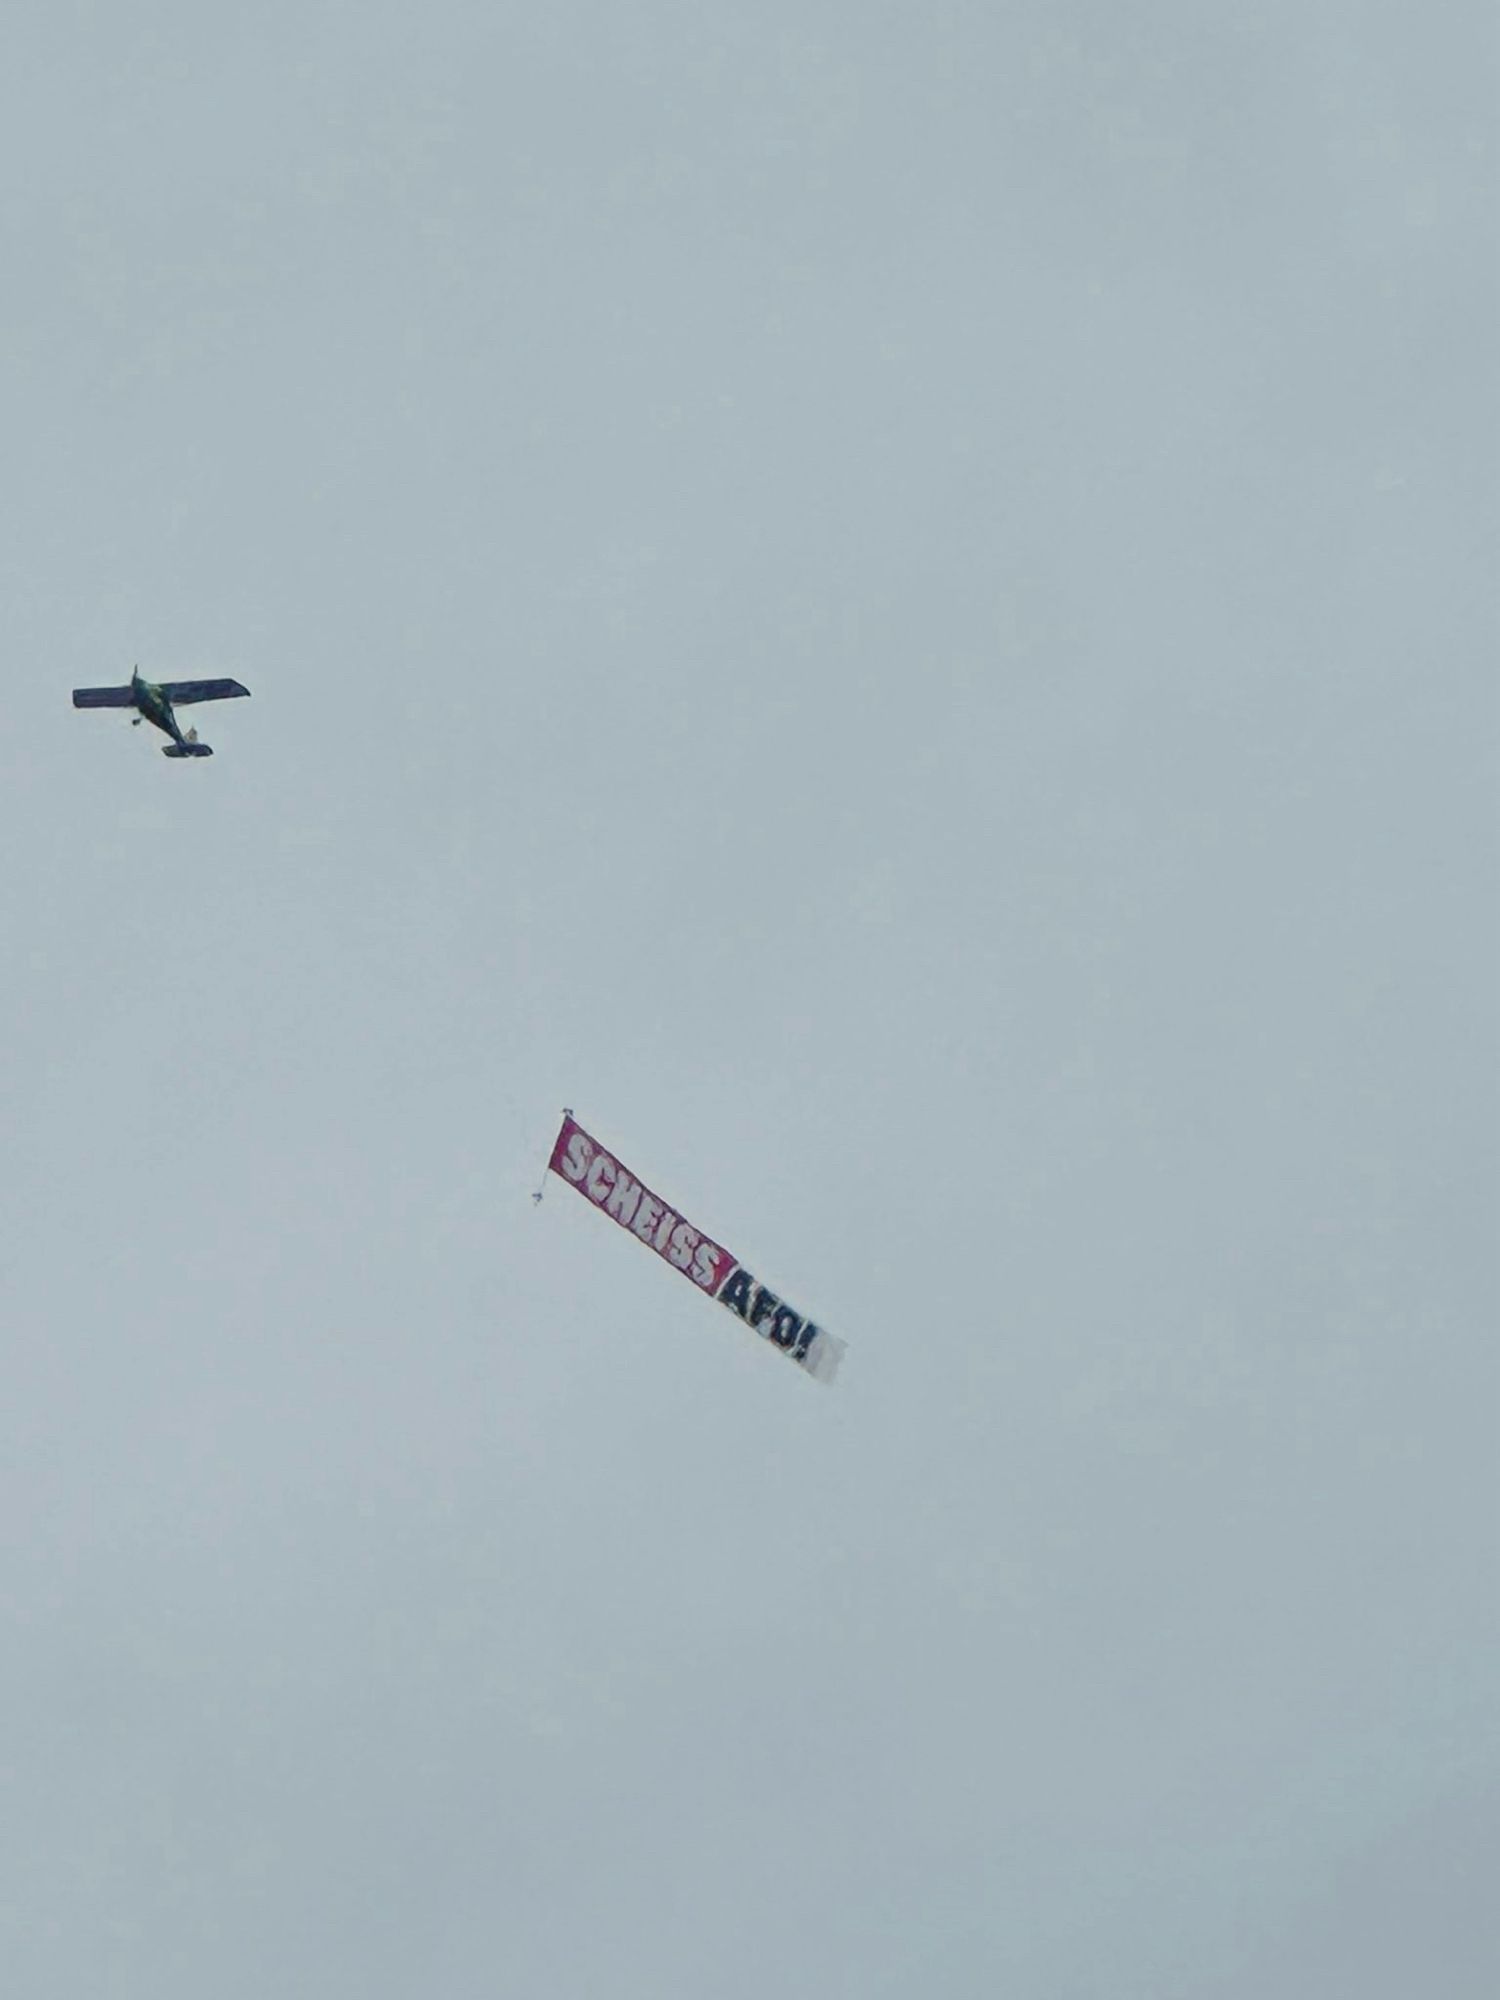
{"x":584,"y":1164}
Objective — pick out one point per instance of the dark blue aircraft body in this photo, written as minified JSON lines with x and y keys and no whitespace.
{"x":156,"y":701}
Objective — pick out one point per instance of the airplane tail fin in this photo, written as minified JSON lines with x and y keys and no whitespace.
{"x":189,"y":747}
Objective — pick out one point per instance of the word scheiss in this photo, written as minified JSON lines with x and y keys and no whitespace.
{"x":600,"y":1178}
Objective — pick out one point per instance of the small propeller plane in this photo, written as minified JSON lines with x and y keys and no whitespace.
{"x":156,"y":701}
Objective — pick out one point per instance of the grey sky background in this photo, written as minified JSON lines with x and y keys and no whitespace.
{"x":894,"y":603}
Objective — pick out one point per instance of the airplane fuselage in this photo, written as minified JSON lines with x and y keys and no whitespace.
{"x":155,"y":708}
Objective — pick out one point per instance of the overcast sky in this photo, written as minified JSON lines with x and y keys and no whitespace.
{"x":895,"y":603}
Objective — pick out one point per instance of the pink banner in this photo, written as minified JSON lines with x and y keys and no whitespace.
{"x":584,"y":1164}
{"x":579,"y":1159}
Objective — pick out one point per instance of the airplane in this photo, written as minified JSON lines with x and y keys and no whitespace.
{"x":156,"y":700}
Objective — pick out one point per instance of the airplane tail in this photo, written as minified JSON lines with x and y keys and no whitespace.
{"x":188,"y":747}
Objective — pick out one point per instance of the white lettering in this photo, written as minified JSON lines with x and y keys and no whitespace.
{"x":621,"y":1204}
{"x":685,"y":1240}
{"x":705,"y":1270}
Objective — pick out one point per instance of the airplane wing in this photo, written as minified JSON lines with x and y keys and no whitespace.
{"x":104,"y":697}
{"x":179,"y":692}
